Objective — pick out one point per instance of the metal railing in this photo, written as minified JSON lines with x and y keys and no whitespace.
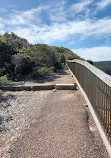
{"x":97,"y":86}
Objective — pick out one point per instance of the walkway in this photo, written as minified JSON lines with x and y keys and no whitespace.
{"x":63,"y":129}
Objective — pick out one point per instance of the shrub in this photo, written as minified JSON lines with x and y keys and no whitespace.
{"x":42,"y":71}
{"x":4,"y":80}
{"x":58,"y":66}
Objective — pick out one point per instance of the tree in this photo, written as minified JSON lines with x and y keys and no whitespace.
{"x":22,"y":65}
{"x":6,"y":53}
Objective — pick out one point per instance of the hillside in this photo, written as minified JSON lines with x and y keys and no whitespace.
{"x":20,"y":60}
{"x":104,"y":66}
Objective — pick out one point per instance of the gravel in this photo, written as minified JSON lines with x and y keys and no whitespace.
{"x":17,"y":112}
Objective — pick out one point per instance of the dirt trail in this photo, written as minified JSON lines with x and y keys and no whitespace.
{"x":53,"y":124}
{"x":59,"y":77}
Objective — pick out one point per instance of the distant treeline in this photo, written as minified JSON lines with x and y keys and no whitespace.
{"x":104,"y":66}
{"x":21,"y":60}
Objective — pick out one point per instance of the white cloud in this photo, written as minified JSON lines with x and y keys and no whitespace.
{"x":81,"y":6}
{"x":108,"y":39}
{"x":26,"y":33}
{"x":102,"y":4}
{"x":58,"y":17}
{"x":95,"y":53}
{"x":3,"y":10}
{"x":57,"y":12}
{"x":60,"y":32}
{"x":1,"y":23}
{"x":25,"y":17}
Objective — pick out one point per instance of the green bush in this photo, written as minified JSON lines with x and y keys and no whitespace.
{"x":4,"y":80}
{"x":43,"y":71}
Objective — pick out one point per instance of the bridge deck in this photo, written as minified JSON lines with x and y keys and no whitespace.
{"x":63,"y":128}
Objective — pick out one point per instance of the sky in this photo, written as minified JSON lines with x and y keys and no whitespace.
{"x":83,"y":26}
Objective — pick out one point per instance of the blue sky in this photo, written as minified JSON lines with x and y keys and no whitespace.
{"x":83,"y":26}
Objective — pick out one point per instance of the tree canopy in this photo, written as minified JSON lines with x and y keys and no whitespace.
{"x":19,"y":58}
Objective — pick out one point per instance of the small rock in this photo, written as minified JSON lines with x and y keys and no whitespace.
{"x":9,"y":118}
{"x":54,"y":90}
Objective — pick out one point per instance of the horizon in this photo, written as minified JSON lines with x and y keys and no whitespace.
{"x":82,"y":26}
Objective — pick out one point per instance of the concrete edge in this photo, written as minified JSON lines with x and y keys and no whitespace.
{"x":41,"y":87}
{"x":65,"y":86}
{"x":99,"y":73}
{"x":100,"y":129}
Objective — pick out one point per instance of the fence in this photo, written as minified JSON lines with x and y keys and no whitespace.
{"x":97,"y":86}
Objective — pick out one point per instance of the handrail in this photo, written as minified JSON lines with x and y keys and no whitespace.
{"x":97,"y":87}
{"x":99,"y":73}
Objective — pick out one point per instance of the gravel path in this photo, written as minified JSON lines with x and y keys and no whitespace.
{"x":62,"y":130}
{"x":48,"y":124}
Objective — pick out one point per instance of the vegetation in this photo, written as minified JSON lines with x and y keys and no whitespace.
{"x":104,"y":66}
{"x":4,"y":80}
{"x":90,"y":61}
{"x":19,"y":59}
